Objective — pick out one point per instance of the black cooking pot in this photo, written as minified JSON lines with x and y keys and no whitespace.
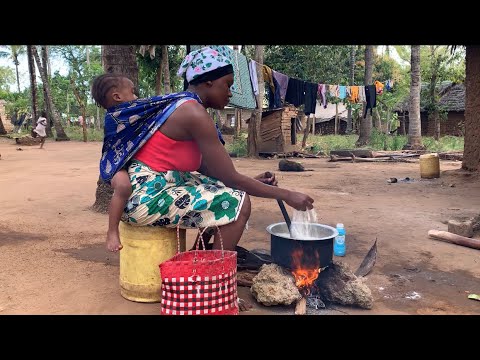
{"x":315,"y":252}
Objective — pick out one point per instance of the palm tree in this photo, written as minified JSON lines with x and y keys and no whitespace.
{"x":15,"y":52}
{"x":471,"y":152}
{"x":121,"y":59}
{"x":414,"y":124}
{"x":366,"y":123}
{"x":61,"y":135}
{"x":351,"y":79}
{"x":33,"y":81}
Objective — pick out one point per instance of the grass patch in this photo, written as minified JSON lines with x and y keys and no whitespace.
{"x":238,"y":146}
{"x":380,"y":141}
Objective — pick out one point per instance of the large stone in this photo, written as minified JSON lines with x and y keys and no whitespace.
{"x":463,"y":228}
{"x":274,"y":286}
{"x":338,"y":284}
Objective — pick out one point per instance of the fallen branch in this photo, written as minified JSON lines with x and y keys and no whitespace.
{"x":454,"y":239}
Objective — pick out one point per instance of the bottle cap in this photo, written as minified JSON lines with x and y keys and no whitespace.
{"x":339,"y":225}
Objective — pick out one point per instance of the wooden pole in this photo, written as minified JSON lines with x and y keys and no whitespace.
{"x":454,"y":239}
{"x":336,"y":118}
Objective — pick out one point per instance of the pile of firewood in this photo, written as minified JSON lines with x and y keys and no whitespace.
{"x":387,"y":156}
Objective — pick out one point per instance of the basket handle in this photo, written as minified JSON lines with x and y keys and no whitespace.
{"x":201,"y":238}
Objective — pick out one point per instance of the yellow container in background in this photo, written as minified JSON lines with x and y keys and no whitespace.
{"x":429,"y":166}
{"x":144,"y":248}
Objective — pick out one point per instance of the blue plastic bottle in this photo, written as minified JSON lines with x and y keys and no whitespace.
{"x":339,"y":246}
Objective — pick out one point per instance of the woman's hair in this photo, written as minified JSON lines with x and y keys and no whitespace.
{"x":102,"y":84}
{"x":43,"y":114}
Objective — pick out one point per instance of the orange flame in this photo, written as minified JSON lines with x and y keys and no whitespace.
{"x":306,"y":268}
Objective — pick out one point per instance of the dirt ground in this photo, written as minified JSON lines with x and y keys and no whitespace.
{"x":53,"y":258}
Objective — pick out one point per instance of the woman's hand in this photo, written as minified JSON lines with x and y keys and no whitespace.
{"x":299,"y":201}
{"x":267,"y":178}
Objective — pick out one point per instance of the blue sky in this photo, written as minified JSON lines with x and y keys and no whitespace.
{"x":57,"y":64}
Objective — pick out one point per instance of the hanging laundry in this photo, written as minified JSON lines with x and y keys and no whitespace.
{"x":371,"y":96}
{"x":252,"y":68}
{"x":333,"y":89}
{"x":295,"y":92}
{"x":274,"y":99}
{"x":354,"y":94}
{"x":242,"y":90}
{"x":322,"y":94}
{"x":310,"y":97}
{"x":282,"y":81}
{"x":267,"y":77}
{"x":361,"y":94}
{"x":378,"y":87}
{"x":342,"y":92}
{"x":389,"y":85}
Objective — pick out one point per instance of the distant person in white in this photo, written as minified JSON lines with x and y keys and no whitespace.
{"x":40,"y":129}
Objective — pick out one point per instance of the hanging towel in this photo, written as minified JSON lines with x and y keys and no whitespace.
{"x":333,"y":90}
{"x":371,"y":96}
{"x":282,"y":81}
{"x":322,"y":94}
{"x":252,"y":68}
{"x":310,"y":97}
{"x":274,"y":99}
{"x":342,"y":92}
{"x":361,"y":94}
{"x":379,"y":87}
{"x":242,"y":89}
{"x":268,"y":78}
{"x":295,"y":92}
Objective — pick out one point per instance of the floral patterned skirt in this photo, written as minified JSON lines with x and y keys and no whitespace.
{"x":171,"y":198}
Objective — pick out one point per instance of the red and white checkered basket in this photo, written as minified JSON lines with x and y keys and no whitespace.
{"x":200,"y":282}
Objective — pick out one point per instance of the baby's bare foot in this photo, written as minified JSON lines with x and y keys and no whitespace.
{"x":113,"y":243}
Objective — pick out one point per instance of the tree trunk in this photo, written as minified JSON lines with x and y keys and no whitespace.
{"x":18,"y":79}
{"x":158,"y":79}
{"x":471,"y":152}
{"x":307,"y":130}
{"x":433,"y":115}
{"x":336,"y":118}
{"x":351,"y":82}
{"x":45,"y":102}
{"x":166,"y":70}
{"x":366,"y":123}
{"x":82,"y":108}
{"x":414,"y":124}
{"x":256,"y":118}
{"x":33,"y":82}
{"x":120,"y":59}
{"x":61,"y":136}
{"x":2,"y":128}
{"x":49,"y":66}
{"x":378,"y":120}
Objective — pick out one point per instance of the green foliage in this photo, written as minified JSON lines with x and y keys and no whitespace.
{"x":76,"y":133}
{"x":238,"y":146}
{"x":446,"y":143}
{"x":382,"y":142}
{"x":19,"y":102}
{"x":7,"y":77}
{"x":147,"y":70}
{"x":326,"y":143}
{"x":82,"y":74}
{"x":315,"y":63}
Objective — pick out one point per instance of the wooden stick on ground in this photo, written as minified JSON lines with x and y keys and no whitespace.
{"x":454,"y":239}
{"x":301,"y":306}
